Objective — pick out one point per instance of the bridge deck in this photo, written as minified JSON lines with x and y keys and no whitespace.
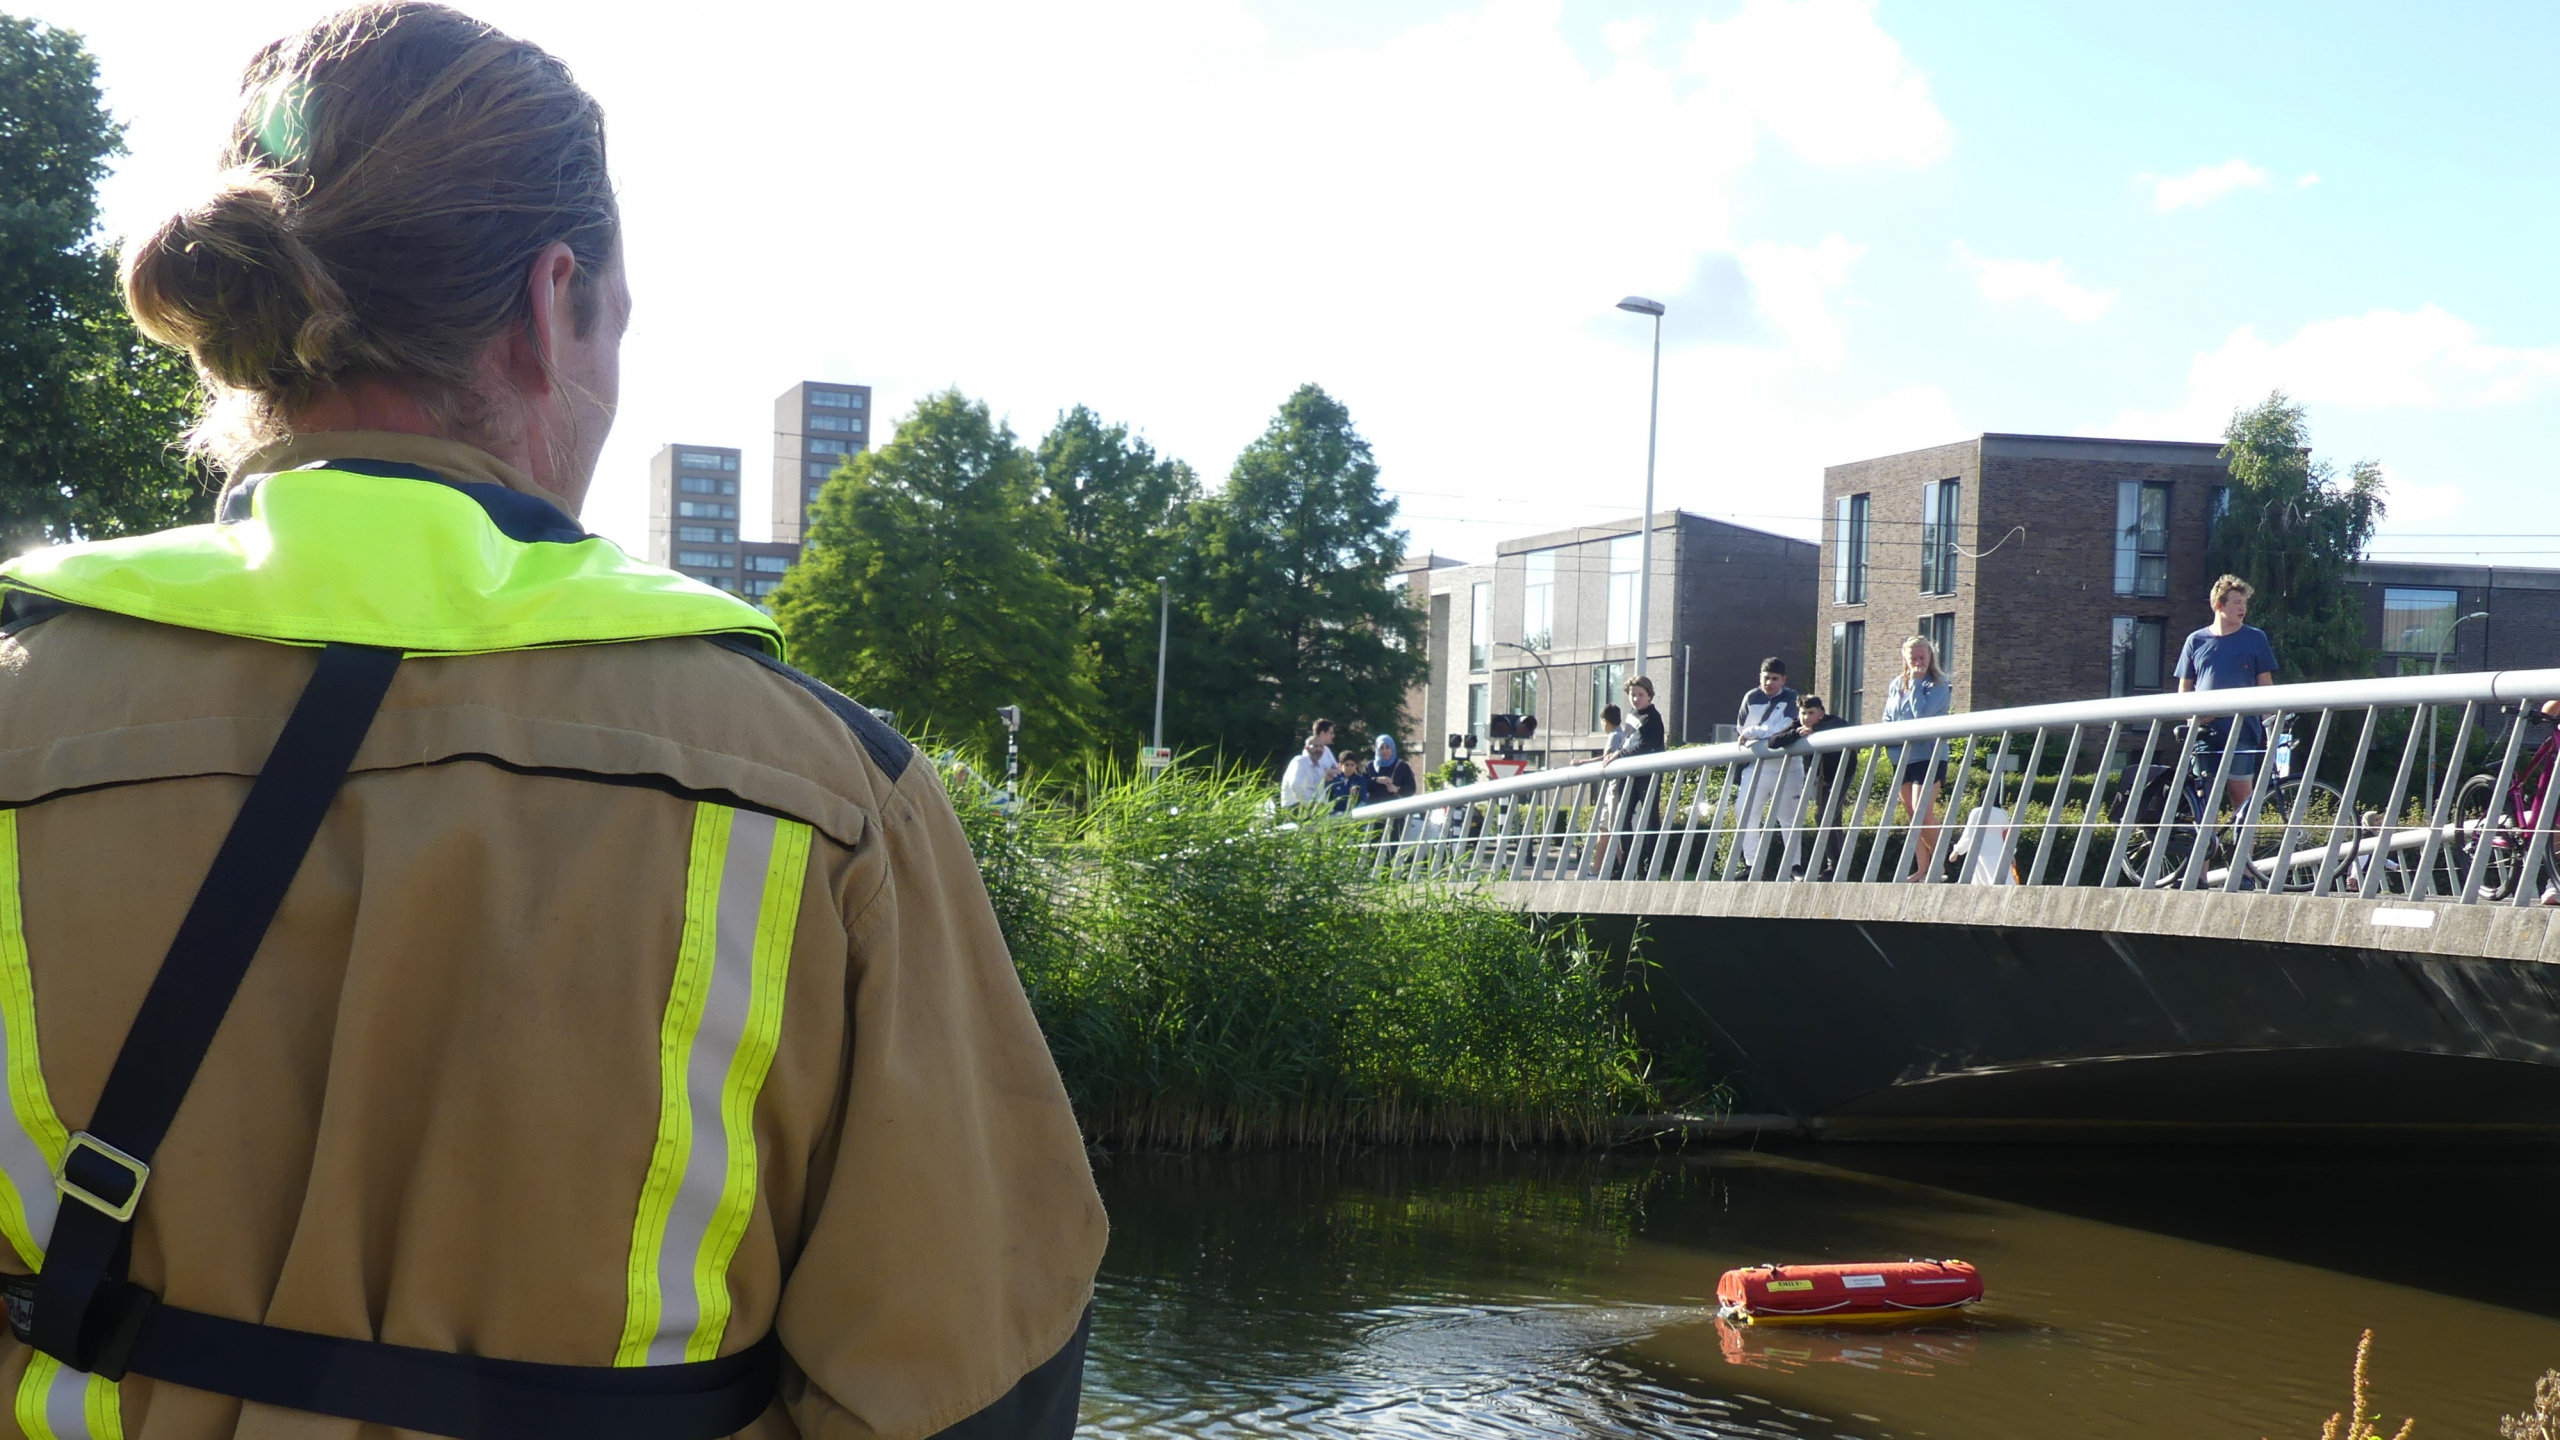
{"x":2415,"y":928}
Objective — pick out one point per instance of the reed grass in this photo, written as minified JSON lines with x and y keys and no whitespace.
{"x":1210,"y":975}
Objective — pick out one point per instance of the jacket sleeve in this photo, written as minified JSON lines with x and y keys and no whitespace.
{"x":955,"y":1230}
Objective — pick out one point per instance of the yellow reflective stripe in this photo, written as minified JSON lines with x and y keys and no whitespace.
{"x":31,"y":1149}
{"x":58,"y":1403}
{"x":675,"y":1046}
{"x":777,"y":916}
{"x":105,"y":1404}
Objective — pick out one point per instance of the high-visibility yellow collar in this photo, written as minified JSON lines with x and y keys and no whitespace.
{"x":373,"y":552}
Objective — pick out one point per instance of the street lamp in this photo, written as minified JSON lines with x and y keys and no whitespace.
{"x":1639,"y":305}
{"x":1546,"y":752}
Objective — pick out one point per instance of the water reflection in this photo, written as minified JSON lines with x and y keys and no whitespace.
{"x":1512,"y":1295}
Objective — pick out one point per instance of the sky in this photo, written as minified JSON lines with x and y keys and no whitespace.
{"x":1877,"y":226}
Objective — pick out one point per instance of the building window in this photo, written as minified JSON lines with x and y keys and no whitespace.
{"x":1479,"y":709}
{"x":705,"y":510}
{"x":2133,"y":654}
{"x":2216,"y":508}
{"x":826,"y":447}
{"x":2417,"y":627}
{"x":706,"y":535}
{"x":1626,"y":556}
{"x":1849,"y":670}
{"x":1606,"y":681}
{"x":1941,"y":512}
{"x":705,"y":460}
{"x":835,"y":400}
{"x":1849,"y":547}
{"x":820,"y":470}
{"x":769,"y":564}
{"x":761,"y":588}
{"x":814,"y":492}
{"x":1524,"y":692}
{"x":841,"y":424}
{"x":709,"y":559}
{"x":1940,"y":631}
{"x":2142,"y":539}
{"x":1480,"y":629}
{"x":1538,"y":602}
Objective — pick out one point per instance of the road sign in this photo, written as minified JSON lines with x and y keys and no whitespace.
{"x":1154,"y":760}
{"x":1503,"y":767}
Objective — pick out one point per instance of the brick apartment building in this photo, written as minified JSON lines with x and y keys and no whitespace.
{"x":1548,"y":629}
{"x":2044,"y":567}
{"x":2053,"y":568}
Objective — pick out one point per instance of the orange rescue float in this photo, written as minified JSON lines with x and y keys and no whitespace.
{"x":1888,"y":1293}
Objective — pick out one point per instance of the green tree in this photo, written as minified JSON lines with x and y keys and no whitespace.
{"x":1287,"y":610}
{"x":89,"y":410}
{"x":2294,"y":531}
{"x":1117,"y":509}
{"x":926,"y":587}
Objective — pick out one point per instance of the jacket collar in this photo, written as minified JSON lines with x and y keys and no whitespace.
{"x":451,"y":459}
{"x":380,"y":552}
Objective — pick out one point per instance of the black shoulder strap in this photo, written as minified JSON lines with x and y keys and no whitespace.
{"x":109,"y":1163}
{"x":83,"y":1311}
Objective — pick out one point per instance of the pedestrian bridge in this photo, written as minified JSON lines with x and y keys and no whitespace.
{"x":2102,"y":918}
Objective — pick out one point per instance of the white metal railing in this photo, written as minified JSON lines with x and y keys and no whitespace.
{"x":2407,"y":787}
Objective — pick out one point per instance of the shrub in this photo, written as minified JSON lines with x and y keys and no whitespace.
{"x":1210,"y":973}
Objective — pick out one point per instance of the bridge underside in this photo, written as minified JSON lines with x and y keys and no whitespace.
{"x":1910,"y":1012}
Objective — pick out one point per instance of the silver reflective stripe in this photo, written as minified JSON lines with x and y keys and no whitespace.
{"x":66,"y":1404}
{"x":727,"y":1001}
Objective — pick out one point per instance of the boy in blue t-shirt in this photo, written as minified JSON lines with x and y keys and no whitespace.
{"x":2227,"y":655}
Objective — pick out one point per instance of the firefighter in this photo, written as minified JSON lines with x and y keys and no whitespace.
{"x":456,"y":977}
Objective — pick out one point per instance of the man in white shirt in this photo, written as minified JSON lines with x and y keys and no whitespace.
{"x":1303,"y":782}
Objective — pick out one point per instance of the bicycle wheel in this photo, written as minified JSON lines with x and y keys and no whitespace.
{"x":2499,"y":852}
{"x":2320,"y":819}
{"x":2175,"y":846}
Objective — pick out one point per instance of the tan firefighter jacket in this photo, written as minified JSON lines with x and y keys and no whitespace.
{"x":635,"y":999}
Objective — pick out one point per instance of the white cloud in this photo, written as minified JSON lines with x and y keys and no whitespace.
{"x":2045,"y":282}
{"x":2205,"y":184}
{"x":2410,"y":503}
{"x":2306,"y":180}
{"x":1823,"y":77}
{"x":1794,"y":285}
{"x":2383,"y":359}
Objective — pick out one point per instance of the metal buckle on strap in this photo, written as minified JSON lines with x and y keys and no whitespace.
{"x":141,"y":1173}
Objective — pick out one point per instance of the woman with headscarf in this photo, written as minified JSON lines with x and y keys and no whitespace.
{"x":1392,"y":776}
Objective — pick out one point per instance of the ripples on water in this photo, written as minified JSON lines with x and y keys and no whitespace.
{"x":1521,"y":1296}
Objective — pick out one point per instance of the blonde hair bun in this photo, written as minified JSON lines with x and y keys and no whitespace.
{"x":232,"y":283}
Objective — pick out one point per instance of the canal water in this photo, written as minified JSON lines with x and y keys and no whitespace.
{"x":2132,"y":1292}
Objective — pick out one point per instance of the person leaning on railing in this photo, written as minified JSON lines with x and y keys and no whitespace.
{"x":1812,"y":718}
{"x":1646,"y":722}
{"x":1921,"y":692}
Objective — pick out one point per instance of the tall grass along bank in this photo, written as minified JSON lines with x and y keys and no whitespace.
{"x":1209,"y":975}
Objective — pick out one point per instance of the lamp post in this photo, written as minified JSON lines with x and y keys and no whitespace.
{"x":1639,"y":305}
{"x":1164,"y":630}
{"x":1546,"y":751}
{"x":2444,"y":648}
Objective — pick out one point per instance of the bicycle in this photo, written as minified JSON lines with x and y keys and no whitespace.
{"x":2147,"y":804}
{"x":2500,"y":849}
